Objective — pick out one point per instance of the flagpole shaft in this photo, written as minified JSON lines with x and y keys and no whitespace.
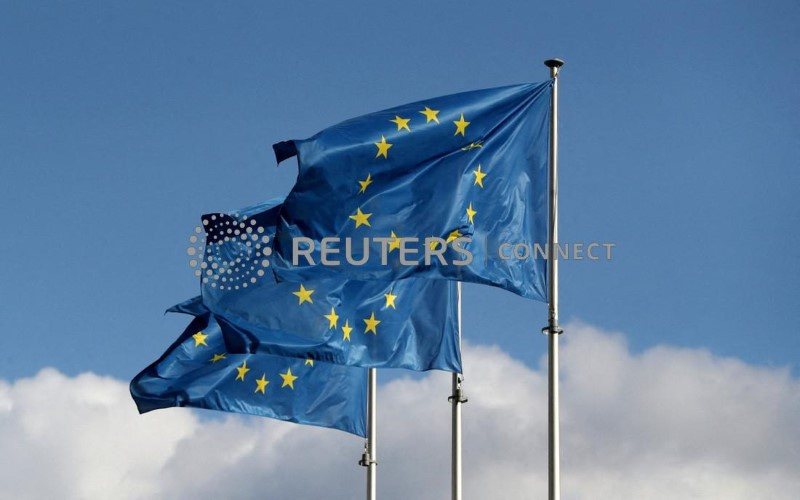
{"x":553,"y":331}
{"x":456,"y":401}
{"x":372,"y":431}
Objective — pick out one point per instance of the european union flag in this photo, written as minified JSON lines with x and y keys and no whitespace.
{"x":197,"y":371}
{"x":405,"y":324}
{"x":470,"y":165}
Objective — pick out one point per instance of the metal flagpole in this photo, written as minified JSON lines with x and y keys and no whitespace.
{"x":552,"y":330}
{"x":368,"y":459}
{"x":457,"y":399}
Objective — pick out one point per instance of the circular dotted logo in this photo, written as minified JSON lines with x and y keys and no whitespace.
{"x":229,"y":252}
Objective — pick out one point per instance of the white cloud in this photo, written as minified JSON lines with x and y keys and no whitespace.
{"x":667,"y":423}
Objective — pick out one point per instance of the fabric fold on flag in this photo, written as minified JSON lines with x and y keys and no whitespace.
{"x":197,"y":371}
{"x":453,"y":187}
{"x":409,"y":324}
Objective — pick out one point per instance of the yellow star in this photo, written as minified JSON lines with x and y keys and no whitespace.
{"x":461,"y":125}
{"x":453,"y":235}
{"x":383,"y":148}
{"x":346,"y":329}
{"x":394,"y":243}
{"x":478,"y":177}
{"x":242,"y":371}
{"x":390,"y":300}
{"x":471,"y":213}
{"x":366,"y":182}
{"x":361,"y":218}
{"x":218,"y":357}
{"x":261,"y":384}
{"x":472,"y":145}
{"x":371,"y":324}
{"x":402,"y":123}
{"x":430,"y":114}
{"x":303,"y":295}
{"x":200,"y":339}
{"x":288,"y":378}
{"x":333,"y":319}
{"x":310,"y":362}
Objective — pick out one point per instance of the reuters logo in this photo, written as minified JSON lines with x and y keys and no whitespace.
{"x":229,"y":252}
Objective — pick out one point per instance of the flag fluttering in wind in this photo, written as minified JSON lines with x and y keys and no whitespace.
{"x":409,"y":323}
{"x":197,"y":371}
{"x":404,"y":186}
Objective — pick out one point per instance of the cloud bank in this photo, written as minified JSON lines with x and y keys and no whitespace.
{"x":666,"y":423}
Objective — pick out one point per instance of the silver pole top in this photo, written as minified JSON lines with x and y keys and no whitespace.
{"x":554,"y":63}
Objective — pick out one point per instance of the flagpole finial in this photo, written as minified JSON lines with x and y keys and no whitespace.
{"x":554,"y":63}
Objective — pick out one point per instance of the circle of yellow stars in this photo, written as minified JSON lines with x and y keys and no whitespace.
{"x":370,"y":324}
{"x":288,"y":378}
{"x":361,"y":218}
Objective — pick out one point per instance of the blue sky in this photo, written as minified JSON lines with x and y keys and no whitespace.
{"x":121,"y":123}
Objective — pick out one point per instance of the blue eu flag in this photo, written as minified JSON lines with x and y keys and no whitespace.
{"x":408,"y":184}
{"x":198,"y":371}
{"x":408,"y":324}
